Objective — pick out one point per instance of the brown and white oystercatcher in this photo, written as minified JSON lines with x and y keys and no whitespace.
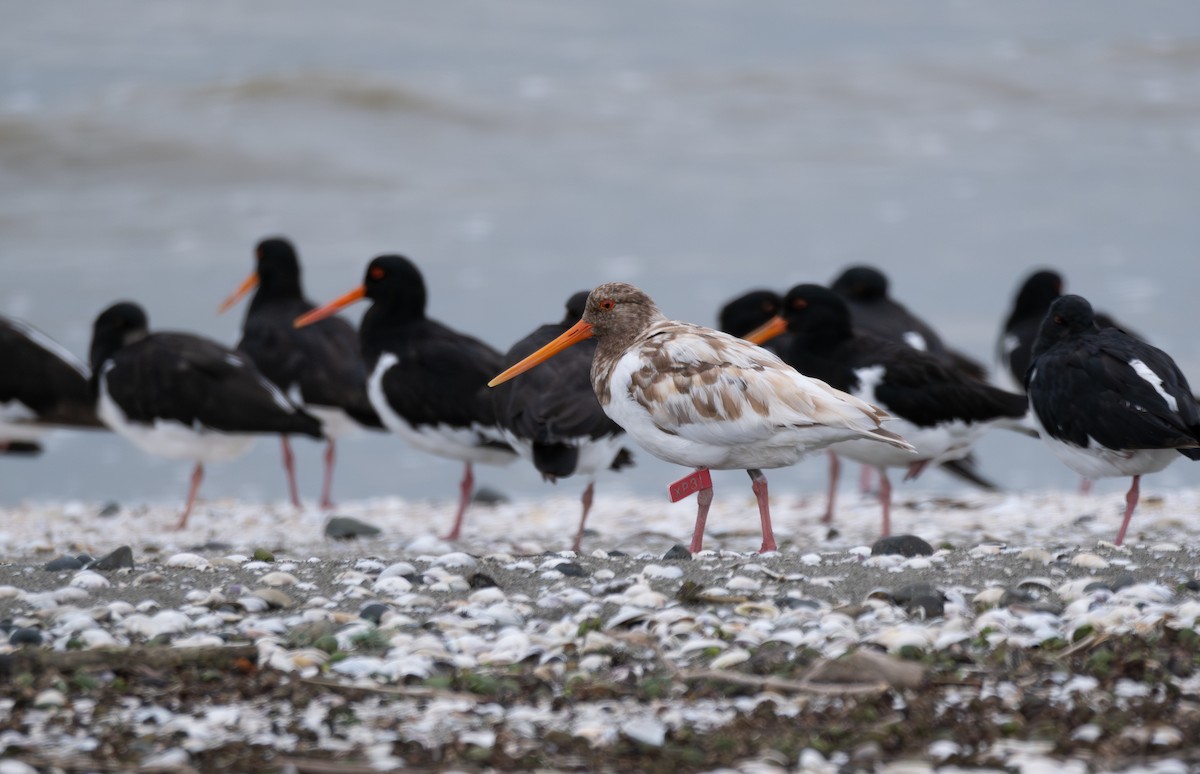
{"x":938,"y":409}
{"x":183,"y":396}
{"x":551,"y":416}
{"x":426,"y":381}
{"x":1107,"y":403}
{"x":42,"y":386}
{"x":320,"y":367}
{"x":698,"y":397}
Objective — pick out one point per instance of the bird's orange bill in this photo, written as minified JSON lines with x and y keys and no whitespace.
{"x":575,"y":334}
{"x":767,"y":331}
{"x":334,"y":306}
{"x":250,"y":284}
{"x":690,"y":485}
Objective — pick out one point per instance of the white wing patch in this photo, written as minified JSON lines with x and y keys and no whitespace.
{"x":915,"y":340}
{"x":1155,"y":381}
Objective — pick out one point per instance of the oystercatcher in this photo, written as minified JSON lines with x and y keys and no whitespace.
{"x":319,"y":367}
{"x":750,"y":310}
{"x":42,"y":386}
{"x":425,"y":380}
{"x":939,"y":410}
{"x":552,"y":418}
{"x":872,"y":310}
{"x":1107,"y":403}
{"x":183,"y":396}
{"x":695,"y":396}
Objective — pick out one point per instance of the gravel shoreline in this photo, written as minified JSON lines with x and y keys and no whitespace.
{"x":252,"y":642}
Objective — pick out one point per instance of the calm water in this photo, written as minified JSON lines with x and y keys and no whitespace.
{"x":523,"y":150}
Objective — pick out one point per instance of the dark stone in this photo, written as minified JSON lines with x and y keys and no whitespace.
{"x":792,"y":603}
{"x":25,"y":637}
{"x":481,"y":581}
{"x":1016,"y":597}
{"x":110,"y":509}
{"x":1095,"y":586}
{"x":115,"y":560}
{"x":63,"y":563}
{"x":210,"y":546}
{"x":373,"y":612}
{"x":1192,"y":585}
{"x":927,"y":606}
{"x":571,"y":570}
{"x":911,"y":591}
{"x":346,"y":528}
{"x":485,"y":495}
{"x":903,"y":545}
{"x":1122,"y":581}
{"x":678,"y":553}
{"x":616,"y":553}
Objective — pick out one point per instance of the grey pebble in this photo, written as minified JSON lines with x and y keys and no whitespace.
{"x":373,"y":612}
{"x":677,"y":553}
{"x":23,"y":636}
{"x":114,"y":560}
{"x":903,"y":545}
{"x":61,"y":563}
{"x":346,"y":528}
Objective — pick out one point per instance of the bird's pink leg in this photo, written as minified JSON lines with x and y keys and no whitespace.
{"x":289,"y":464}
{"x":830,"y":501}
{"x":759,"y":485}
{"x":864,"y":479}
{"x":1131,"y":501}
{"x":915,"y":470}
{"x":1085,"y":486}
{"x":586,"y":499}
{"x":327,"y":488}
{"x":464,"y":497}
{"x":197,"y":477}
{"x":885,"y":498}
{"x":703,"y":499}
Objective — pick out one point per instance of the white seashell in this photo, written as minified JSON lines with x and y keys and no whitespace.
{"x":757,"y":610}
{"x":1089,"y":560}
{"x":811,"y":560}
{"x":399,"y":568}
{"x":649,"y":599}
{"x":985,"y":549}
{"x":730,"y":658}
{"x":198,"y":640}
{"x":10,"y":592}
{"x":661,"y":572}
{"x":279,"y":579}
{"x":188,"y":562}
{"x":600,"y":575}
{"x":86,"y":579}
{"x":351,"y":578}
{"x":68,"y":594}
{"x":626,"y":615}
{"x":649,"y":731}
{"x":918,"y":563}
{"x":50,"y":698}
{"x":253,"y":604}
{"x":149,"y":578}
{"x":393,"y":584}
{"x":742,"y":583}
{"x":368,"y":565}
{"x":456,"y":560}
{"x":97,"y":638}
{"x":210,"y":621}
{"x":1036,"y":555}
{"x":1166,"y":548}
{"x":1088,"y":732}
{"x":76,"y":621}
{"x":989,"y":597}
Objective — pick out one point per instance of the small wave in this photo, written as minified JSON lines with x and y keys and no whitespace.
{"x":343,"y":90}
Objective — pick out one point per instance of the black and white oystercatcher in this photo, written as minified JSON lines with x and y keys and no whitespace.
{"x":939,"y":410}
{"x":320,"y":367}
{"x":551,"y":416}
{"x":874,"y":311}
{"x":1107,"y":403}
{"x":746,"y":313}
{"x":182,"y":396}
{"x":695,"y":396}
{"x":426,"y":381}
{"x":42,"y":386}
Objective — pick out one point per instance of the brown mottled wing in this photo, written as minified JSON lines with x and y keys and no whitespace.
{"x":707,"y":386}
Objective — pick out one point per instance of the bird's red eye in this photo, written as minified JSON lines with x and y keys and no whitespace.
{"x":376,"y":273}
{"x":1058,"y":320}
{"x":799,"y":303}
{"x":607,"y":304}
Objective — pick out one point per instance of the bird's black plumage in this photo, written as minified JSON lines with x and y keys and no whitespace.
{"x":552,"y":414}
{"x":554,"y":407}
{"x":914,"y":385}
{"x":323,"y":360}
{"x":52,"y":388}
{"x":186,"y":379}
{"x":874,"y":311}
{"x":1108,"y":404}
{"x":742,"y":315}
{"x":1084,"y":384}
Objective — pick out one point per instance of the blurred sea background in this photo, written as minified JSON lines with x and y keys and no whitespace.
{"x":520,"y":151}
